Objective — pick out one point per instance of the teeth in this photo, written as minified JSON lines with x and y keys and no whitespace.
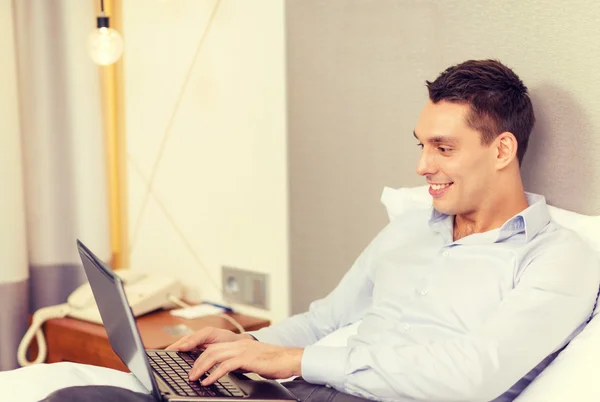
{"x":440,"y":186}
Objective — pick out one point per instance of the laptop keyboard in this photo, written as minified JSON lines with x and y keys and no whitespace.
{"x":173,"y":367}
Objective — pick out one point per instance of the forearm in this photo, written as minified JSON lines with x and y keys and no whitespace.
{"x":449,"y":371}
{"x":345,"y":305}
{"x":530,"y":325}
{"x":296,"y":331}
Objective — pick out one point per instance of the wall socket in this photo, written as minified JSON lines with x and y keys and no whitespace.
{"x":245,"y":287}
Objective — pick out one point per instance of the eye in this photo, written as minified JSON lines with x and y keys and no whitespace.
{"x":443,"y":149}
{"x":420,"y":145}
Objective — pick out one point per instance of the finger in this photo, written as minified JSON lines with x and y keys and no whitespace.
{"x":183,"y":346}
{"x":221,"y":370}
{"x":192,"y":341}
{"x":182,"y":342}
{"x":214,"y":354}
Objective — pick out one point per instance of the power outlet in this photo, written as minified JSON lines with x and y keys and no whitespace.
{"x":245,"y":287}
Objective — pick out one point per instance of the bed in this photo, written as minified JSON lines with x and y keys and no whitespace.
{"x":570,"y":377}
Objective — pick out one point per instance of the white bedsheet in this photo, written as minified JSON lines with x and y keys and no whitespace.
{"x":34,"y":383}
{"x":573,"y":376}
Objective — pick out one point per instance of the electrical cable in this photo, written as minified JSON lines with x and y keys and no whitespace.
{"x":232,"y":320}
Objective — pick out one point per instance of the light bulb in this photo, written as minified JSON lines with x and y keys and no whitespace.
{"x":105,"y":44}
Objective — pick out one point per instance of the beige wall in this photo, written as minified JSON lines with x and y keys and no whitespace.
{"x":356,"y":71}
{"x":206,"y":139}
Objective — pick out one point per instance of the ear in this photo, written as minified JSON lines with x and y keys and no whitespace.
{"x":506,"y":149}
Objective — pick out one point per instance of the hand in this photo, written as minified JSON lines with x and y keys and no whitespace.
{"x":206,"y":336}
{"x":249,"y":355}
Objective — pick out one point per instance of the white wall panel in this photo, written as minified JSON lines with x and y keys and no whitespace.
{"x":220,"y":177}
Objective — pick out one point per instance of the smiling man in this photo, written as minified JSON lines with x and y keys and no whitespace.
{"x":474,"y":137}
{"x":466,"y":302}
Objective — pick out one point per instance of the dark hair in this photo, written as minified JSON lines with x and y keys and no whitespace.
{"x":498,"y":99}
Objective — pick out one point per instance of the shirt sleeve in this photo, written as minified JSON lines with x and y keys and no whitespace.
{"x":550,"y":303}
{"x":346,"y":304}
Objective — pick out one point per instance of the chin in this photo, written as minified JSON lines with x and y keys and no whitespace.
{"x":444,"y":209}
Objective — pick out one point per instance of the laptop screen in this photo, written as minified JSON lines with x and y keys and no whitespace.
{"x":117,"y":318}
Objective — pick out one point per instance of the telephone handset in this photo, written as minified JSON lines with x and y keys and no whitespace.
{"x":145,"y":293}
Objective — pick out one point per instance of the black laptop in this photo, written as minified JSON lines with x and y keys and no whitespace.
{"x":163,"y":373}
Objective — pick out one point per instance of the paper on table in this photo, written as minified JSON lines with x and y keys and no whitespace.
{"x":199,"y":310}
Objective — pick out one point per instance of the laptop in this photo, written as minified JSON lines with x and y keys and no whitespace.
{"x":163,"y":373}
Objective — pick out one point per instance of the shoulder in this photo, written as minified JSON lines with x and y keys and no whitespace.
{"x":559,"y":255}
{"x":556,"y":240}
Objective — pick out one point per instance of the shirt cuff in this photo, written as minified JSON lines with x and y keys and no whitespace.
{"x":264,"y":335}
{"x":325,"y":365}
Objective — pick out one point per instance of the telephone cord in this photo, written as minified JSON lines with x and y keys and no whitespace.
{"x":39,"y":318}
{"x":62,"y":310}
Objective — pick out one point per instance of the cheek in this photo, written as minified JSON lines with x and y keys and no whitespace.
{"x":455,"y":169}
{"x":469,"y":173}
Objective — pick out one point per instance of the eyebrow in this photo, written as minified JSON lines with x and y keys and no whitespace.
{"x":440,"y":139}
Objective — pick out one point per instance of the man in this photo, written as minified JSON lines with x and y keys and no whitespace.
{"x":467,"y":302}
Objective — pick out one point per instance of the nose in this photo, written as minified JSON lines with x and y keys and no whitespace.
{"x":425,"y":166}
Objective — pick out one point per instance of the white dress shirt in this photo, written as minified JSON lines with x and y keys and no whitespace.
{"x":468,"y":320}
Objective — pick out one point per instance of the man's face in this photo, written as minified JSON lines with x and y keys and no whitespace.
{"x":459,"y":169}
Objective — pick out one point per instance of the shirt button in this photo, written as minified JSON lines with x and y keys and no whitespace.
{"x":407,"y":327}
{"x":424,"y":292}
{"x":446,"y":253}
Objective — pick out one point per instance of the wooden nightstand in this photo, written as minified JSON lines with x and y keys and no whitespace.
{"x":78,"y":341}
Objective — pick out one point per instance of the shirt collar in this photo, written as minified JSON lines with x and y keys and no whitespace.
{"x":530,"y":221}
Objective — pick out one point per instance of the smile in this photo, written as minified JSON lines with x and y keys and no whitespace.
{"x":438,"y":189}
{"x":440,"y":186}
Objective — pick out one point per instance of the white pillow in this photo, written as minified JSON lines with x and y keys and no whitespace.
{"x":573,"y":375}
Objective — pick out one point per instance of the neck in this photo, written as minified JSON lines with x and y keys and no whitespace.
{"x":493,"y":213}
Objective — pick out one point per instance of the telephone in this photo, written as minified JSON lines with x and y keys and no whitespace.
{"x":145,"y":293}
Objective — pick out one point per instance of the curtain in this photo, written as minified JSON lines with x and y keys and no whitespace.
{"x":13,"y":254}
{"x":64,"y":185}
